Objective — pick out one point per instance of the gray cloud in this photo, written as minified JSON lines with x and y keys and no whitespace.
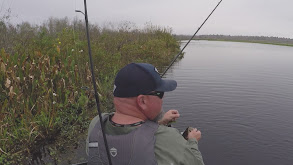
{"x":234,"y":17}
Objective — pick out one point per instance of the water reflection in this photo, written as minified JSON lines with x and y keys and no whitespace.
{"x":240,"y":96}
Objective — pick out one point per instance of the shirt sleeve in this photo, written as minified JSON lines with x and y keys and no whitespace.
{"x":172,"y":149}
{"x":193,"y":143}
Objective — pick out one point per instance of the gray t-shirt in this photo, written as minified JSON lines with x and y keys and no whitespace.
{"x":170,"y":147}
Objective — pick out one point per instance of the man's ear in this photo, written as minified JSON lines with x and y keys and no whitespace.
{"x":141,"y":101}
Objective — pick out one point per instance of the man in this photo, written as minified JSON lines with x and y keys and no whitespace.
{"x":136,"y":132}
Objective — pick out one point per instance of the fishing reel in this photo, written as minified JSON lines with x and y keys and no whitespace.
{"x":186,"y":132}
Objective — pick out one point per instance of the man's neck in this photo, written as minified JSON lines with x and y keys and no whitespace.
{"x":121,"y":118}
{"x":127,"y":111}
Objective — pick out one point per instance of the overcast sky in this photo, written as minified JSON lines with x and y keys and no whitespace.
{"x":233,"y":17}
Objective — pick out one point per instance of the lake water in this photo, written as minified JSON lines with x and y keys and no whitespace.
{"x":240,"y":95}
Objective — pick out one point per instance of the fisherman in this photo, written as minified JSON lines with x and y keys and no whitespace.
{"x":137,"y":133}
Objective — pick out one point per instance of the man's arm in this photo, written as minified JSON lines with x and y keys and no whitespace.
{"x":171,"y":147}
{"x":169,"y":116}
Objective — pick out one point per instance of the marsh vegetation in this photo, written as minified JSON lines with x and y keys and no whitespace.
{"x":45,"y":81}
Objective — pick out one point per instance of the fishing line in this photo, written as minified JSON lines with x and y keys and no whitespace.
{"x":190,"y":40}
{"x":94,"y":82}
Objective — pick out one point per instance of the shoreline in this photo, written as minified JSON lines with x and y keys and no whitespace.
{"x":247,"y":39}
{"x":267,"y":43}
{"x":43,"y":80}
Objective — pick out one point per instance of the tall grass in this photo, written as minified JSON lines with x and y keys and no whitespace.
{"x":44,"y":70}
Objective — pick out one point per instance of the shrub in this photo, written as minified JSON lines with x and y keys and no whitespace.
{"x":44,"y":71}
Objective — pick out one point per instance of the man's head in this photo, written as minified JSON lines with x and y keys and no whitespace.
{"x":142,"y":83}
{"x":140,"y":79}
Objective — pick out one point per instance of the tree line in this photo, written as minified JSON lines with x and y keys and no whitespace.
{"x":240,"y":38}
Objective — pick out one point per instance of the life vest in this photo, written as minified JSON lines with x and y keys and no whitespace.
{"x":134,"y":148}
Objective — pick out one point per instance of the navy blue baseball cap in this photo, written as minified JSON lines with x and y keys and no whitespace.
{"x":140,"y":78}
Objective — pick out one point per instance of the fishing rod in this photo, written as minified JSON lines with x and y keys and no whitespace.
{"x":93,"y":76}
{"x":190,"y":40}
{"x":94,"y":81}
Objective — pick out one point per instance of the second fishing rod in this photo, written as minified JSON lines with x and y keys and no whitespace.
{"x":176,"y":57}
{"x":185,"y":133}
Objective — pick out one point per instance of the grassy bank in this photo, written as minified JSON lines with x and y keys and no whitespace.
{"x":248,"y":39}
{"x":257,"y":42}
{"x":45,"y":81}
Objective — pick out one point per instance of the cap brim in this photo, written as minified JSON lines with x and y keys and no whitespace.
{"x":167,"y":85}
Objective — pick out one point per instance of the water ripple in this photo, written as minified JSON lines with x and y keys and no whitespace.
{"x":240,"y":96}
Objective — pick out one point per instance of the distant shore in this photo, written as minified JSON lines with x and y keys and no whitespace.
{"x":248,"y":39}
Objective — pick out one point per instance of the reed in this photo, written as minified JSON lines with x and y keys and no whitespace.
{"x":44,"y":72}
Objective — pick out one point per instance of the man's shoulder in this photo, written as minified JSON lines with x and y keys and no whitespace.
{"x":96,"y":120}
{"x":105,"y":116}
{"x":168,"y":135}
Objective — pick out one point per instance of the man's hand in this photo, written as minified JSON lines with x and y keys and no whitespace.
{"x":169,"y":116}
{"x":195,"y":134}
